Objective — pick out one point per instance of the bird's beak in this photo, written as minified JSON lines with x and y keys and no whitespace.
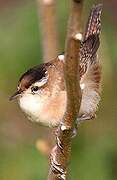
{"x":15,"y":95}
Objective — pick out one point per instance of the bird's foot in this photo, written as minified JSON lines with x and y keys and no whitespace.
{"x":85,"y":117}
{"x":58,"y":141}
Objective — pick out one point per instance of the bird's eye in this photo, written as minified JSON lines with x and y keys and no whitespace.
{"x":34,"y":89}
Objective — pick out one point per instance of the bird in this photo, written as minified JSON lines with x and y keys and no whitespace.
{"x":41,"y":91}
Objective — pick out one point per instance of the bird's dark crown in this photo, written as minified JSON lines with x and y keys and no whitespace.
{"x":32,"y":75}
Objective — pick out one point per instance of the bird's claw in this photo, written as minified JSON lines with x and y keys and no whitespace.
{"x":85,"y":117}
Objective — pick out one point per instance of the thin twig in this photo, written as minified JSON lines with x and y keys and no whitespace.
{"x":47,"y":12}
{"x":62,"y":151}
{"x":49,"y":30}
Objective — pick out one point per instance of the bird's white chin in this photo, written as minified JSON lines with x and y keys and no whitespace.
{"x":44,"y":110}
{"x":31,"y":105}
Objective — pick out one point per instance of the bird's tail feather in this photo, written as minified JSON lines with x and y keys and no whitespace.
{"x":93,"y":25}
{"x":91,"y":41}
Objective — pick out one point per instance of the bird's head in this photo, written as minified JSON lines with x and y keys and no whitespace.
{"x":32,"y":81}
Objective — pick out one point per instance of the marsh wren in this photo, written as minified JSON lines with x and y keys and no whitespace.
{"x":41,"y":91}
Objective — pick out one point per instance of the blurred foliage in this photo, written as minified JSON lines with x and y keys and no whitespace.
{"x":94,"y":151}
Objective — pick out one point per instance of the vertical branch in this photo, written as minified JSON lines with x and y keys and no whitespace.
{"x":61,"y":153}
{"x":48,"y":22}
{"x":47,"y":11}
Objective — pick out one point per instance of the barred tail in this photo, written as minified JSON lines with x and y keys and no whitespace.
{"x":91,"y":40}
{"x":93,"y":25}
{"x":90,"y":68}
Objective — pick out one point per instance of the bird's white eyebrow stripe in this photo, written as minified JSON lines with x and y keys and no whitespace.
{"x":41,"y":82}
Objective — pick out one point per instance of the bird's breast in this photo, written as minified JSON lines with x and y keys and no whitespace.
{"x":47,"y":110}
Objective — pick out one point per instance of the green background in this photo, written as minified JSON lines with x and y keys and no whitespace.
{"x":94,"y":150}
